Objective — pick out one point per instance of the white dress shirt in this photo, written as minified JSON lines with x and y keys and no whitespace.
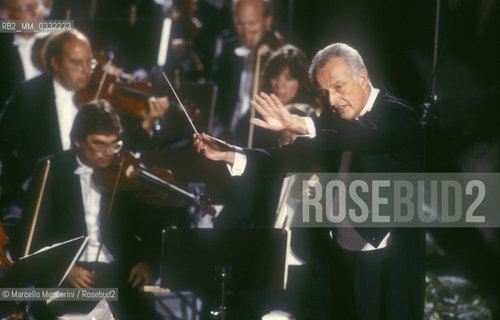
{"x":66,"y":112}
{"x":91,"y":204}
{"x":246,"y":86}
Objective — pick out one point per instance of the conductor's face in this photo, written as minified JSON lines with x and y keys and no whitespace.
{"x":250,"y":22}
{"x":74,"y":68}
{"x":346,"y":94}
{"x":98,"y":150}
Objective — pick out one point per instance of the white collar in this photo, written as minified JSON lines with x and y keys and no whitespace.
{"x":19,"y":41}
{"x":61,"y":91}
{"x":22,"y":41}
{"x":242,"y":51}
{"x":371,"y":100}
{"x":82,"y":168}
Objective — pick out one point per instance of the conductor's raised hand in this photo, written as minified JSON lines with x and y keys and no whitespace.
{"x":275,"y":116}
{"x":213,"y":149}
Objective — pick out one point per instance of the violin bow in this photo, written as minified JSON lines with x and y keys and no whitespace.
{"x":256,"y":80}
{"x":108,"y":215}
{"x":103,"y":78}
{"x":45,"y":174}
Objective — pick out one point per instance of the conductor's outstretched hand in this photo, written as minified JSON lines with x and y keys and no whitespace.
{"x":275,"y":115}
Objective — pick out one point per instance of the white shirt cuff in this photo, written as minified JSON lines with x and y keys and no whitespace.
{"x":240,"y":162}
{"x":311,"y":129}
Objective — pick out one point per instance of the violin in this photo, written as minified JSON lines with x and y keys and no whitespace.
{"x":129,"y":96}
{"x":4,"y":260}
{"x":154,"y":185}
{"x":272,"y":39}
{"x":8,"y":309}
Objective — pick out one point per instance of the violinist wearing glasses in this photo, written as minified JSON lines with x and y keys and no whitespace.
{"x":37,"y":119}
{"x":73,"y":206}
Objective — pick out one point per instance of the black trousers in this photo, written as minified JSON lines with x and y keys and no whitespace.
{"x":384,"y":284}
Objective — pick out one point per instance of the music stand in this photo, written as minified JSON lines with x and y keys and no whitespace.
{"x":255,"y":258}
{"x":39,"y":269}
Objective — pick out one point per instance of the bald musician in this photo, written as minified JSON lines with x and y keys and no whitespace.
{"x":38,"y":117}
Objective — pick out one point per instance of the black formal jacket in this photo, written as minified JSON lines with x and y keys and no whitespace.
{"x":29,"y":124}
{"x":12,"y":67}
{"x":62,"y":216}
{"x":227,"y":76}
{"x":389,"y":138}
{"x":29,"y":127}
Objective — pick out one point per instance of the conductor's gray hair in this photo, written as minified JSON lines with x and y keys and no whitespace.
{"x":340,"y":50}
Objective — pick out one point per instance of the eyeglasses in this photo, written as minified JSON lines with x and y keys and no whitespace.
{"x":103,"y":146}
{"x":81,"y":65}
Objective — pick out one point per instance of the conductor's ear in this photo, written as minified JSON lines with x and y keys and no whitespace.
{"x":362,"y":77}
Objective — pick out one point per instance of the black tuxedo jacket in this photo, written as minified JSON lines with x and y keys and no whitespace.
{"x":389,"y":138}
{"x":12,"y":67}
{"x":228,"y":71}
{"x":29,"y":126}
{"x":62,"y":216}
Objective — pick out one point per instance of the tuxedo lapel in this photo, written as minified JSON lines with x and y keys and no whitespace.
{"x":17,"y":65}
{"x":72,"y":194}
{"x":50,"y":115}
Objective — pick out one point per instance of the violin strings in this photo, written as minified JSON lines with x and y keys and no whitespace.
{"x":180,"y":103}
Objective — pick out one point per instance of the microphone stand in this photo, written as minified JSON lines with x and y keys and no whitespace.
{"x":428,"y":107}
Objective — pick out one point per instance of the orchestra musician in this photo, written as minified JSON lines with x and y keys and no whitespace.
{"x":235,"y":67}
{"x":37,"y":120}
{"x":18,"y":51}
{"x":44,"y":107}
{"x":285,"y":75}
{"x":74,"y":205}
